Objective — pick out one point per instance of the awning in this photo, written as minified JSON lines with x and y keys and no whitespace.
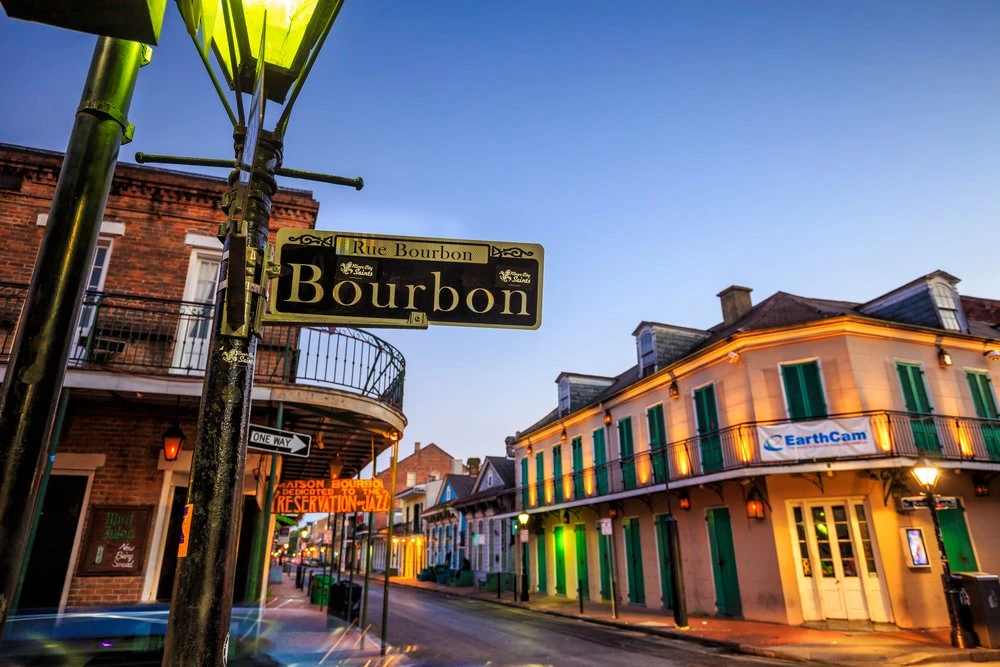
{"x":283,"y":520}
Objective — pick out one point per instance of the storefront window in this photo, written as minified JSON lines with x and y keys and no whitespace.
{"x":844,"y":543}
{"x":823,"y":542}
{"x":800,"y":533}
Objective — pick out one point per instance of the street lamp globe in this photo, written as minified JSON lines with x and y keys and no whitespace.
{"x":926,"y":474}
{"x":522,"y":518}
{"x":292,"y":28}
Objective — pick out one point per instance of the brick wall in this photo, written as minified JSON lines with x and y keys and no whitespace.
{"x":129,"y":435}
{"x":158,"y":208}
{"x":422,"y":462}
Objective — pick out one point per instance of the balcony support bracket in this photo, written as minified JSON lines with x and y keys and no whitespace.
{"x":717,"y":487}
{"x":814,"y":478}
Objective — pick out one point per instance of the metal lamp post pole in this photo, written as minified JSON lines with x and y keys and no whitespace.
{"x":958,"y":637}
{"x":201,"y":607}
{"x":524,"y":570}
{"x":37,"y":362}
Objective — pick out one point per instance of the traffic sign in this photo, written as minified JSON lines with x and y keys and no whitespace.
{"x":403,"y":281}
{"x":605,"y":526}
{"x":942,"y":502}
{"x":272,"y":440}
{"x":524,"y":535}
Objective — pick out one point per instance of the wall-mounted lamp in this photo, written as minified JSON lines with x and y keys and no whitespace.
{"x":684,"y":501}
{"x":562,"y":436}
{"x":336,"y":466}
{"x":982,"y":488}
{"x":675,"y":391}
{"x":565,"y":516}
{"x":734,"y":357}
{"x":530,"y":449}
{"x":607,"y":416}
{"x":943,"y":358}
{"x":992,"y":355}
{"x":173,"y":437}
{"x":755,"y":504}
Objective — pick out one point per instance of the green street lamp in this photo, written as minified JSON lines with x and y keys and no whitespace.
{"x":926,"y":474}
{"x":265,"y":48}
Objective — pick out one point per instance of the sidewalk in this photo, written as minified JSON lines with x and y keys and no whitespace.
{"x":770,"y":640}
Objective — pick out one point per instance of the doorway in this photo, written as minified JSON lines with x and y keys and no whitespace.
{"x":727,"y":585}
{"x":45,"y":577}
{"x":582,"y":572}
{"x":168,"y":566}
{"x":839,"y":573}
{"x":633,"y":560}
{"x":560,"y":552}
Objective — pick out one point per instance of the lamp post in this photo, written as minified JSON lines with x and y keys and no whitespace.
{"x":522,"y":519}
{"x":266,"y":48}
{"x":926,"y":474}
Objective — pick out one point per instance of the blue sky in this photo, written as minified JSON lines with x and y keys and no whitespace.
{"x":660,"y":151}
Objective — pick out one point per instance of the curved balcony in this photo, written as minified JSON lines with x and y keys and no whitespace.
{"x":167,"y":340}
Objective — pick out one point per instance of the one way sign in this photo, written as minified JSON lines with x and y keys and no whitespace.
{"x":272,"y":440}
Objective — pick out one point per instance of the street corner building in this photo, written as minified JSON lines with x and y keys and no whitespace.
{"x":782,"y":441}
{"x":114,"y":506}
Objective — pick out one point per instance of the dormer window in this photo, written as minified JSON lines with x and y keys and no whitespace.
{"x":647,"y":353}
{"x":947,"y":305}
{"x":564,"y":397}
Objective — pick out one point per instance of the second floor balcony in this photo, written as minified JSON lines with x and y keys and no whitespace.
{"x":768,"y":447}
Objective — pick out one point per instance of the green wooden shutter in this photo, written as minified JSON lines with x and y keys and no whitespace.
{"x":710,"y":443}
{"x":957,"y":543}
{"x":804,"y":390}
{"x":982,"y":395}
{"x":600,"y":461}
{"x":604,"y":554}
{"x":578,"y":489}
{"x":663,"y":552}
{"x":626,"y":452}
{"x":911,"y":380}
{"x":582,"y":569}
{"x":633,"y":560}
{"x":558,"y":539}
{"x":540,"y":478}
{"x":525,"y":496}
{"x":543,"y":585}
{"x":657,"y":443}
{"x":986,"y":408}
{"x":557,"y":480}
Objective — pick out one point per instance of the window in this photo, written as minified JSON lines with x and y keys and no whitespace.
{"x":647,"y":353}
{"x":564,"y":404}
{"x":195,"y":318}
{"x":657,"y":442}
{"x":804,"y":391}
{"x":984,"y":401}
{"x":489,"y":479}
{"x":411,"y":479}
{"x":557,"y":472}
{"x":915,"y":398}
{"x":947,"y":305}
{"x":540,"y":478}
{"x":92,"y":296}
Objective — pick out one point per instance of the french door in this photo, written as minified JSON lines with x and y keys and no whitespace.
{"x":194,"y":328}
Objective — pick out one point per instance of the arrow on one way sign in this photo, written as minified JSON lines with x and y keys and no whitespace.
{"x":272,"y":440}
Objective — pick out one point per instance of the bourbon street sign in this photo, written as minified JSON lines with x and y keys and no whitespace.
{"x":331,"y":496}
{"x":402,"y":281}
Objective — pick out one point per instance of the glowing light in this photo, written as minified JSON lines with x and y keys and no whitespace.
{"x":683,"y":462}
{"x":963,"y":440}
{"x":882,"y":438}
{"x":744,"y":445}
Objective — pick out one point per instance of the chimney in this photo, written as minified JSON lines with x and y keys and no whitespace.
{"x":735,"y":303}
{"x":416,"y":448}
{"x":457,"y":467}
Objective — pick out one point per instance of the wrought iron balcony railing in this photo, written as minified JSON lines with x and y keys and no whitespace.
{"x":167,"y":337}
{"x":739,"y":447}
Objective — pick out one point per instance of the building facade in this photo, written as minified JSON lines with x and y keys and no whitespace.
{"x":489,"y":512}
{"x":136,"y":365}
{"x":447,"y":528}
{"x":782,"y":441}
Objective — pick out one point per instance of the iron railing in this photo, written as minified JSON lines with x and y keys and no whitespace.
{"x":167,"y":337}
{"x":739,"y":448}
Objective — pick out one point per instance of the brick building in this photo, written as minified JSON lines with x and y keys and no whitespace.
{"x":424,"y":466}
{"x":137,"y":359}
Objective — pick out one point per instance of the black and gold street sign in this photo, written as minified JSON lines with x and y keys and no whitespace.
{"x":402,"y":281}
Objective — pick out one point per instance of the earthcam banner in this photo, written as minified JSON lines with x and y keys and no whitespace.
{"x":828,"y":438}
{"x":402,"y":281}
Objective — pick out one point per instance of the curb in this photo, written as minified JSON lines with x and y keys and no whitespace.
{"x":975,"y":655}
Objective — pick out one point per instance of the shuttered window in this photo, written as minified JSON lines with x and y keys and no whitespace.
{"x":804,"y":391}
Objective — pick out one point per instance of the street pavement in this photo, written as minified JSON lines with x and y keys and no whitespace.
{"x":427,"y":628}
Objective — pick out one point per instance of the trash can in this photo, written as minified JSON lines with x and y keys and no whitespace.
{"x":339,"y":593}
{"x":300,"y":577}
{"x":979,"y":606}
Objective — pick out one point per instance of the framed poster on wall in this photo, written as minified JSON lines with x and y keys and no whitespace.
{"x":115,"y":542}
{"x":915,"y":548}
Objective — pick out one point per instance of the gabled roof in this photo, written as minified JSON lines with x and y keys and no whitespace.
{"x":461,"y":485}
{"x":504,"y":468}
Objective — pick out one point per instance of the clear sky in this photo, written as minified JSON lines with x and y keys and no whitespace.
{"x":660,"y":151}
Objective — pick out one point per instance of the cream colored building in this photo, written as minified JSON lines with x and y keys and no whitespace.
{"x":782,"y":440}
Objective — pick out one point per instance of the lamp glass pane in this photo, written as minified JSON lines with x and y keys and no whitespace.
{"x":926,"y":475}
{"x":287,"y":24}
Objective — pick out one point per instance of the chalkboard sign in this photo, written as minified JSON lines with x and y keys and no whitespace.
{"x":115,"y":543}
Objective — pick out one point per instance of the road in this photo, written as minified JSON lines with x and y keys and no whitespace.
{"x":428,"y":628}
